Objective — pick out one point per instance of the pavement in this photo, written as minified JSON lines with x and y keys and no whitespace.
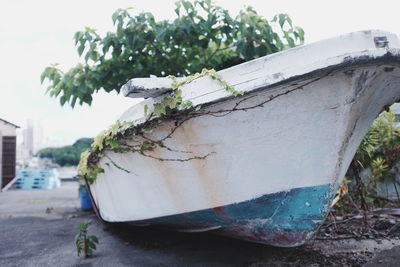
{"x":37,"y":228}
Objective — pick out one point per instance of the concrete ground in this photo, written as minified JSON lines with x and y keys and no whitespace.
{"x":37,"y":229}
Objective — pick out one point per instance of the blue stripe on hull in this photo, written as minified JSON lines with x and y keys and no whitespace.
{"x":287,"y":218}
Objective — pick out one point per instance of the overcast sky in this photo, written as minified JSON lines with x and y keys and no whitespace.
{"x":34,"y":34}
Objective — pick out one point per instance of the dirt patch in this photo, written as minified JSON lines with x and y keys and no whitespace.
{"x":381,"y":223}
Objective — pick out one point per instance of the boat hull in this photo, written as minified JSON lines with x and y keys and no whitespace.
{"x":285,"y":219}
{"x":261,"y":167}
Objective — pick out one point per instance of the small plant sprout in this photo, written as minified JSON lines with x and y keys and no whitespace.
{"x":85,"y":244}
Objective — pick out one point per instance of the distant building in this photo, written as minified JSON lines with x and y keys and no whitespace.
{"x":32,"y":141}
{"x":28,"y":138}
{"x":7,"y":151}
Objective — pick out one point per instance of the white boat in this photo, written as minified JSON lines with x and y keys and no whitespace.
{"x":263,"y":166}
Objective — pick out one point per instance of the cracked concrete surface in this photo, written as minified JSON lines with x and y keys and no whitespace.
{"x":37,"y":229}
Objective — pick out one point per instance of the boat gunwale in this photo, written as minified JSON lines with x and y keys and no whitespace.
{"x":391,"y":57}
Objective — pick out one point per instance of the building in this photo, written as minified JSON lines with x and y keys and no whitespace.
{"x":32,"y":142}
{"x":8,"y":143}
{"x":28,"y":138}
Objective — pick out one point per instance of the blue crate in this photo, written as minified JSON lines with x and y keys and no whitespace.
{"x":37,"y":179}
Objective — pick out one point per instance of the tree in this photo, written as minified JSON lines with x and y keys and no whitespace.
{"x":203,"y":35}
{"x":66,"y":155}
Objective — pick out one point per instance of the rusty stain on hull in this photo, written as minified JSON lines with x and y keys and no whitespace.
{"x":204,"y":169}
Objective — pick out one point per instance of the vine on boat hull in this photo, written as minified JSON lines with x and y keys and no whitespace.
{"x":125,"y":137}
{"x":116,"y":136}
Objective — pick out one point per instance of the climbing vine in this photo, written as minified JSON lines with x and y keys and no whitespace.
{"x":175,"y":99}
{"x":116,"y":137}
{"x":125,"y":136}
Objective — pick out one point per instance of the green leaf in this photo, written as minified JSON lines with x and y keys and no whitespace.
{"x":186,"y":105}
{"x":187,"y":5}
{"x":80,"y":49}
{"x":282,"y":19}
{"x":170,"y":102}
{"x":178,"y":93}
{"x":43,"y":76}
{"x":74,"y":98}
{"x":115,"y":16}
{"x":91,"y":245}
{"x":159,"y":109}
{"x":77,"y":37}
{"x":63,"y":99}
{"x":120,"y":31}
{"x":94,"y":238}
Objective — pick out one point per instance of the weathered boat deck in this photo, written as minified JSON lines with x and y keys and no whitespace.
{"x":37,"y":229}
